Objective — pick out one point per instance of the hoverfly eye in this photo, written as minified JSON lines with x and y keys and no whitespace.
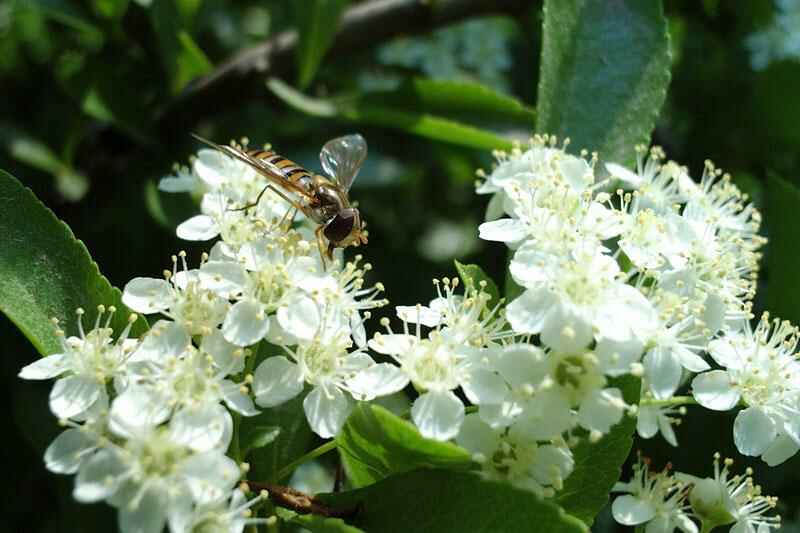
{"x":340,"y":226}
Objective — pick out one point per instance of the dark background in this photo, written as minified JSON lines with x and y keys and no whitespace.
{"x":92,"y":115}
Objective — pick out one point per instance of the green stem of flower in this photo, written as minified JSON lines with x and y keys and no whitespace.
{"x":234,"y":450}
{"x":313,"y":454}
{"x":670,"y":402}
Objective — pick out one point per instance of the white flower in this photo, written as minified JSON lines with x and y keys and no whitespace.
{"x":733,"y":500}
{"x":674,"y":346}
{"x":463,"y":319}
{"x":657,"y":186}
{"x":175,"y":379}
{"x":659,"y":500}
{"x":542,"y":163}
{"x":73,"y":446}
{"x":761,"y":371}
{"x":154,"y":477}
{"x":506,"y":455}
{"x":335,"y":374}
{"x":85,"y":366}
{"x":180,"y":297}
{"x":572,"y":300}
{"x":652,"y":419}
{"x":436,"y":368}
{"x":225,"y":515}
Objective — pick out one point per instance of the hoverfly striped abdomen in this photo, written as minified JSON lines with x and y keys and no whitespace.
{"x":291,"y":170}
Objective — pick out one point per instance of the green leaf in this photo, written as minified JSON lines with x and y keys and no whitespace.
{"x":597,"y":465}
{"x":375,"y":444}
{"x":604,"y":73}
{"x":451,"y":98}
{"x":294,"y":440}
{"x":473,"y":275}
{"x":183,"y":59}
{"x":113,"y":9}
{"x":432,"y":501}
{"x":65,"y":13}
{"x":365,"y":111}
{"x":317,"y":524}
{"x":255,"y":437}
{"x":783,"y":254}
{"x":318,"y":21}
{"x":46,"y":272}
{"x":71,"y":184}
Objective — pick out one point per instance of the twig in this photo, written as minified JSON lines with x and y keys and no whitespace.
{"x":362,"y":26}
{"x":300,"y":502}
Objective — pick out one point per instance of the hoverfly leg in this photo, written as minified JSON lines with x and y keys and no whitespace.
{"x":321,"y":246}
{"x":258,"y":199}
{"x":288,"y":219}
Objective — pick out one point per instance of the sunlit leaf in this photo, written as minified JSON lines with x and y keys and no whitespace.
{"x":432,"y":501}
{"x":318,"y":21}
{"x":375,"y":444}
{"x":417,"y":122}
{"x":604,"y":73}
{"x":46,"y":272}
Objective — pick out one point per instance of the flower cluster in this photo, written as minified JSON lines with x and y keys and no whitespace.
{"x":648,"y":280}
{"x":151,"y":420}
{"x":654,"y":280}
{"x":665,"y":501}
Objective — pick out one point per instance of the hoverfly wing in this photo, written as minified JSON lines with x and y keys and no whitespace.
{"x":270,"y":171}
{"x":342,"y":158}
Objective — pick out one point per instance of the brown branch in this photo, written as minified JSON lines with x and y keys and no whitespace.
{"x":362,"y":26}
{"x":300,"y":502}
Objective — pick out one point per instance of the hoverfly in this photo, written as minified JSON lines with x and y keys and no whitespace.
{"x":322,"y":199}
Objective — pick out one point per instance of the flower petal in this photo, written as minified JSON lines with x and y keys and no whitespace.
{"x":477,"y":436}
{"x":46,"y":367}
{"x":528,"y":312}
{"x":714,"y":390}
{"x":246,"y":323}
{"x":601,"y":409}
{"x":753,"y":431}
{"x":300,"y":316}
{"x":438,"y":414}
{"x":566,"y":329}
{"x":137,"y":409}
{"x":780,"y":450}
{"x":228,"y":357}
{"x":148,"y":515}
{"x":73,"y":395}
{"x":485,"y":387}
{"x":198,"y":228}
{"x":327,"y":411}
{"x":210,"y":475}
{"x":631,"y":511}
{"x":201,"y":428}
{"x":236,"y":400}
{"x":225,"y":278}
{"x":378,"y":380}
{"x":165,"y":339}
{"x":394,"y":344}
{"x":663,"y":371}
{"x":276,"y":381}
{"x":419,"y":314}
{"x":504,"y":230}
{"x":148,"y":295}
{"x":647,"y":421}
{"x":68,"y":450}
{"x":98,"y":477}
